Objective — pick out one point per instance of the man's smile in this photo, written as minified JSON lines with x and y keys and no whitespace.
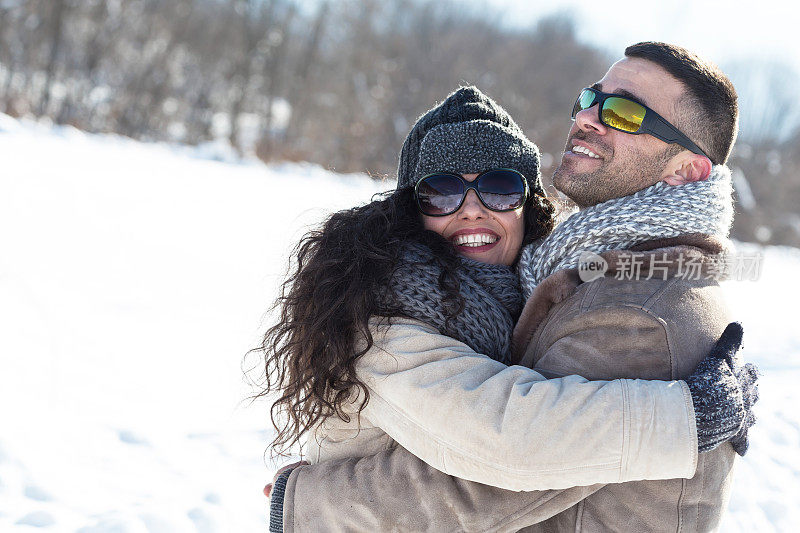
{"x":583,"y":149}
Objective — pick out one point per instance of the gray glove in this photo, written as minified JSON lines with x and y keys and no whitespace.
{"x":276,"y":502}
{"x":723,"y":393}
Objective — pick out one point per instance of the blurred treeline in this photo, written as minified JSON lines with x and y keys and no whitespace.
{"x":337,"y":83}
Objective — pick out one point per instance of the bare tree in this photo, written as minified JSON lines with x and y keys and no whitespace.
{"x":767,"y":99}
{"x":355,"y":74}
{"x":278,"y":38}
{"x":301,"y":84}
{"x":55,"y":36}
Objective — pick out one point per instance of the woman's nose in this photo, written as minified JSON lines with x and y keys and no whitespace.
{"x":472,"y":206}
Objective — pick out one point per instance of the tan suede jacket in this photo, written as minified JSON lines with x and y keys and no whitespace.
{"x":468,"y":416}
{"x":590,"y":333}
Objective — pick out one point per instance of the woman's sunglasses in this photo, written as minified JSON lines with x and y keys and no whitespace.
{"x":499,"y":189}
{"x":624,"y":114}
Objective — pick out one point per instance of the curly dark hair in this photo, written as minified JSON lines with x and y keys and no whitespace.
{"x":327,"y":300}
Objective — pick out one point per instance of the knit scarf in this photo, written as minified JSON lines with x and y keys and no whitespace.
{"x":659,"y":211}
{"x":491,"y":293}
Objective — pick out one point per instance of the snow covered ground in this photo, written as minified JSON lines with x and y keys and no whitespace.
{"x":133,"y":279}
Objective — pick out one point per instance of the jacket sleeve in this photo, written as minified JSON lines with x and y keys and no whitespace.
{"x":477,"y":419}
{"x":396,"y":491}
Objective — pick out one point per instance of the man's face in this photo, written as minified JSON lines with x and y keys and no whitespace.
{"x":619,"y":163}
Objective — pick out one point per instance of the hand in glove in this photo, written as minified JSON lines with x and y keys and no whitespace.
{"x":724,"y":391}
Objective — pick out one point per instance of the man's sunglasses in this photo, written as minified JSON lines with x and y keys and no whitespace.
{"x":624,"y":114}
{"x":443,"y":193}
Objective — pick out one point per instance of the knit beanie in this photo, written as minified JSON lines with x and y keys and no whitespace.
{"x":467,"y":133}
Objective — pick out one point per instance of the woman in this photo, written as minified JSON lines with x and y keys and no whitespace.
{"x":397,"y":322}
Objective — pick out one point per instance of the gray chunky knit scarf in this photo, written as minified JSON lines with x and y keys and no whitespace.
{"x":491,"y":293}
{"x":659,"y":211}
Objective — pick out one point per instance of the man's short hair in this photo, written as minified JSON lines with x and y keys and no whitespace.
{"x":709,"y":112}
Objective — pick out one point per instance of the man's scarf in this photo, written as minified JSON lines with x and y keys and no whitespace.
{"x":659,"y":211}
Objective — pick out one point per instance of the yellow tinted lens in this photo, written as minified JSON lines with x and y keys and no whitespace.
{"x":623,"y":114}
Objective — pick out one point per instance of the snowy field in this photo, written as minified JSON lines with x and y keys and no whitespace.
{"x":133,"y":279}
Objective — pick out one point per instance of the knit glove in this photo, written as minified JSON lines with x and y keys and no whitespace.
{"x":723,"y":393}
{"x":747,"y":376}
{"x":276,"y":502}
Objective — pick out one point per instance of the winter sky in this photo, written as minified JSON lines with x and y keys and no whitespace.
{"x":722,"y":31}
{"x":754,"y":43}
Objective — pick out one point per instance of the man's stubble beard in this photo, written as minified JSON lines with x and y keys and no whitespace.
{"x":624,"y":174}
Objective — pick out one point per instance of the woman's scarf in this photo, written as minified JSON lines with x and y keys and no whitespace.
{"x":491,"y":294}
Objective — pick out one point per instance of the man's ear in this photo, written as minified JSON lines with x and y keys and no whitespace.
{"x":686,"y":167}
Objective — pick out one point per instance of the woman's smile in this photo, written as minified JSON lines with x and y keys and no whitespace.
{"x":474,"y":240}
{"x":477,"y":232}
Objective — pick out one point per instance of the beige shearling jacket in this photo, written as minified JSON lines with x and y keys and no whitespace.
{"x":507,"y":426}
{"x":475,"y":419}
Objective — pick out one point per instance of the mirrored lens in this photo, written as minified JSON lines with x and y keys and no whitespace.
{"x":502,"y":190}
{"x":439,"y":194}
{"x":622,"y":114}
{"x":584,"y":101}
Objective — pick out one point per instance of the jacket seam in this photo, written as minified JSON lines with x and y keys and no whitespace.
{"x":535,"y":339}
{"x":680,"y":505}
{"x":657,"y":318}
{"x":656,"y":296}
{"x":690,"y":423}
{"x":626,"y":429}
{"x":579,"y":516}
{"x":548,"y":323}
{"x":670,"y":342}
{"x":647,"y":306}
{"x":588,"y":299}
{"x":661,"y":322}
{"x":702,"y":490}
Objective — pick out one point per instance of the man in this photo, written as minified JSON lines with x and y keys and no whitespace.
{"x":633,"y":189}
{"x":642,"y":161}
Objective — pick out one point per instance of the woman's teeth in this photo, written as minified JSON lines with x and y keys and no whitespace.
{"x":474,"y":239}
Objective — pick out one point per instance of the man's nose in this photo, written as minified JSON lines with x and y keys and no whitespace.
{"x":472,"y":206}
{"x":588,"y":120}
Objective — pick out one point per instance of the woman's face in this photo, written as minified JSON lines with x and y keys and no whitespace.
{"x":478,"y":232}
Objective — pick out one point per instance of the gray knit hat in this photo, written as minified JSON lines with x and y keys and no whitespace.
{"x":467,"y":133}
